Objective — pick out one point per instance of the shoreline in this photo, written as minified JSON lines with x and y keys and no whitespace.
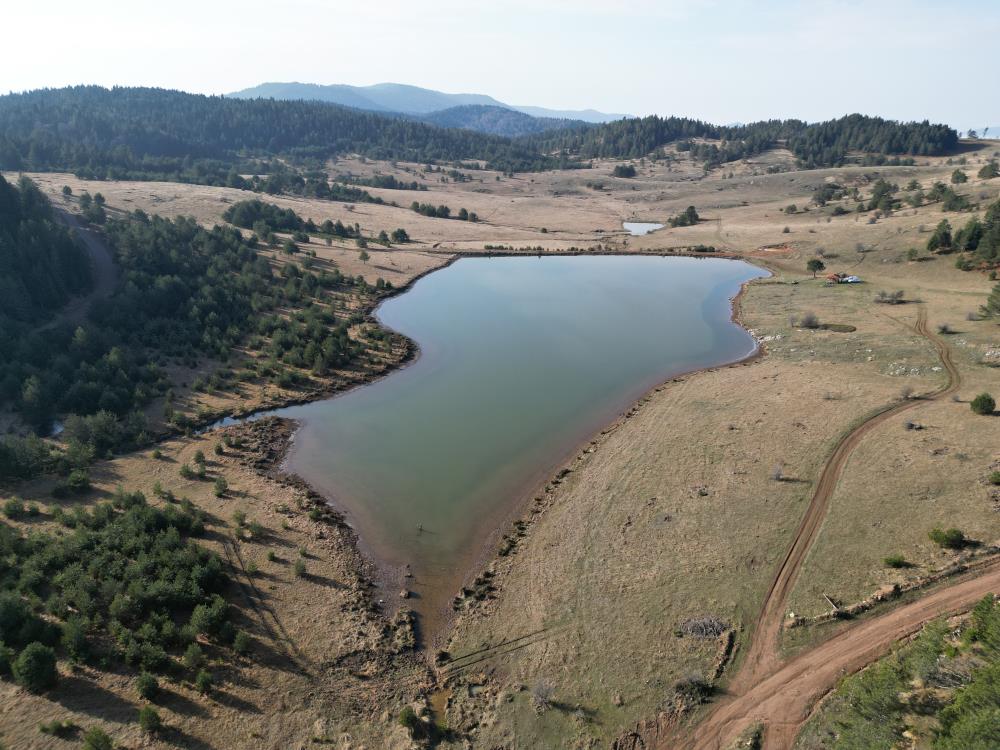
{"x":384,"y":578}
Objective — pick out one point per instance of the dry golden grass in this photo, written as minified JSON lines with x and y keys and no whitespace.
{"x":673,"y":514}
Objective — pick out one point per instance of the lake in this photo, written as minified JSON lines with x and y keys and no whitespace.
{"x":520,"y":360}
{"x":639,"y":228}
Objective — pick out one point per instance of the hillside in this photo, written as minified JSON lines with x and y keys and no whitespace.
{"x":499,"y":121}
{"x":156,"y":133}
{"x":828,"y":143}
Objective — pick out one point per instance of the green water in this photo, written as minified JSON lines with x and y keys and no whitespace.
{"x":520,"y":360}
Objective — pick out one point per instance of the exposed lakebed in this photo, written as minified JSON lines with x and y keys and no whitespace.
{"x":520,"y":360}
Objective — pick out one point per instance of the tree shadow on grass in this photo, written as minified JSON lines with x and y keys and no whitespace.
{"x":180,"y":738}
{"x":235,"y":702}
{"x":180,"y":704}
{"x":83,"y":696}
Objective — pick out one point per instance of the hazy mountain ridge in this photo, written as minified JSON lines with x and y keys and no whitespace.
{"x":499,"y":120}
{"x":413,"y":100}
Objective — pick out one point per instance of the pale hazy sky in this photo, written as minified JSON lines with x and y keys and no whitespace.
{"x":719,"y":60}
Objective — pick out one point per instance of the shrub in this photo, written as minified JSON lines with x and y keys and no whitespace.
{"x":895,"y":561}
{"x":186,"y":472}
{"x":693,"y":689}
{"x":199,"y":456}
{"x":809,"y":320}
{"x":35,"y":668}
{"x":74,"y":638}
{"x":63,"y":729}
{"x":149,"y":720}
{"x":147,"y":686}
{"x":409,"y":719}
{"x":193,"y":657}
{"x":221,"y":487}
{"x":78,"y":481}
{"x":14,"y":508}
{"x":97,"y":739}
{"x":995,"y":477}
{"x":948,"y":539}
{"x":203,"y":682}
{"x":983,"y":404}
{"x":300,"y":569}
{"x":242,"y":642}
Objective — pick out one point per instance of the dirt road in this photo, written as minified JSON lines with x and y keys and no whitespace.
{"x":756,"y":686}
{"x":784,"y":699}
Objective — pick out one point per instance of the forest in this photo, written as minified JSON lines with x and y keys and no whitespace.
{"x":186,"y":293}
{"x":122,"y":583}
{"x":41,"y":264}
{"x":828,"y":143}
{"x":147,"y":133}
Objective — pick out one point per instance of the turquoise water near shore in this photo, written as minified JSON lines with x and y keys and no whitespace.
{"x":520,"y":360}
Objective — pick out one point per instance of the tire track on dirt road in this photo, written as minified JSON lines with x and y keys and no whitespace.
{"x":762,"y":660}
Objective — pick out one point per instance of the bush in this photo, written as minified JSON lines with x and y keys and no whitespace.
{"x":948,"y":539}
{"x":147,"y":686}
{"x":995,"y":477}
{"x":983,"y":404}
{"x":300,"y":569}
{"x":149,"y":720}
{"x":809,"y":320}
{"x":221,"y":487}
{"x":203,"y":682}
{"x":14,"y":508}
{"x":242,"y":642}
{"x":35,"y":668}
{"x":78,"y":481}
{"x":74,"y":639}
{"x":895,"y":561}
{"x":64,"y":729}
{"x":97,"y":739}
{"x":193,"y":657}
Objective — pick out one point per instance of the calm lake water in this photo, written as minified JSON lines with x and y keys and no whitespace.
{"x":639,"y":228}
{"x":521,"y":359}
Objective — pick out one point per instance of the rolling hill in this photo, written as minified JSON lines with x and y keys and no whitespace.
{"x":410,"y":100}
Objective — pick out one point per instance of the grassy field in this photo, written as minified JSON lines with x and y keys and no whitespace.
{"x":675,"y":513}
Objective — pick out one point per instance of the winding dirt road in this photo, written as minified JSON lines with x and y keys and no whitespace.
{"x":781,"y":695}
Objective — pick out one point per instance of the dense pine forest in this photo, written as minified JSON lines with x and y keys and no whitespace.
{"x":41,"y":264}
{"x":815,"y":145}
{"x":186,"y":293}
{"x":158,"y":134}
{"x":145,"y":133}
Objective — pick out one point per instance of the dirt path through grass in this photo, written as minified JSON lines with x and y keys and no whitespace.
{"x":756,"y":681}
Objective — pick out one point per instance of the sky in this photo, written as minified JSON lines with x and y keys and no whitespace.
{"x":719,"y":60}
